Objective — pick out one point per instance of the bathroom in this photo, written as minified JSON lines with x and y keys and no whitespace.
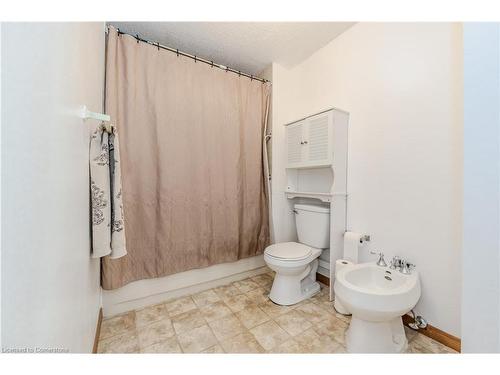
{"x":264,"y":199}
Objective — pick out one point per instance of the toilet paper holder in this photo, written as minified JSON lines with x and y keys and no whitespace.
{"x":364,"y":238}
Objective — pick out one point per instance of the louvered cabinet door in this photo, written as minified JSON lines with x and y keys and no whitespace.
{"x":295,"y":144}
{"x":317,"y":138}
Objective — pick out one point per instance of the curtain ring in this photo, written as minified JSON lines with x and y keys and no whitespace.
{"x":137,"y":37}
{"x":239,"y":73}
{"x":158,"y":45}
{"x":211,"y":64}
{"x":177,"y":52}
{"x":251,"y":78}
{"x":194,"y":58}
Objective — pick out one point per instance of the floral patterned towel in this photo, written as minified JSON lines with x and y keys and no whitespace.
{"x":108,"y":230}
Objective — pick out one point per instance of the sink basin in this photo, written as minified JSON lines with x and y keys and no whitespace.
{"x":376,"y":297}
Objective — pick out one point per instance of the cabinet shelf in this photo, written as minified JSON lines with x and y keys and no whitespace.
{"x":324,"y":197}
{"x":310,"y":165}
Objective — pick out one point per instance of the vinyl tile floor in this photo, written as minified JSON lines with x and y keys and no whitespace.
{"x":238,"y":318}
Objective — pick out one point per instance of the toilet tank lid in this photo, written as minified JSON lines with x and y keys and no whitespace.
{"x":312,"y":208}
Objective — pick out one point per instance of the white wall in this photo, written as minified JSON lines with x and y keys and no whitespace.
{"x":401,"y":84}
{"x":481,"y":253}
{"x":50,"y":286}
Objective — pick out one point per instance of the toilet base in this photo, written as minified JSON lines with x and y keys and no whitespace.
{"x":376,"y":337}
{"x":289,"y":291}
{"x":293,"y":284}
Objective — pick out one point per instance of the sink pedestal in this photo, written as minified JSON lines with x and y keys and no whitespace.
{"x":376,"y":337}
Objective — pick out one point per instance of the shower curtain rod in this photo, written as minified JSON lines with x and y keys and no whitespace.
{"x":193,"y":57}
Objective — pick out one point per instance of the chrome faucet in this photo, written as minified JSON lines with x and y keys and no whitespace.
{"x":380,"y":262}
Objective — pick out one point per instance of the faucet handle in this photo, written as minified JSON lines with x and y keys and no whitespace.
{"x":406,"y":267}
{"x":395,"y":262}
{"x":381,"y":261}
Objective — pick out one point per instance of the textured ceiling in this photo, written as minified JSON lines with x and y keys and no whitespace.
{"x":245,"y":46}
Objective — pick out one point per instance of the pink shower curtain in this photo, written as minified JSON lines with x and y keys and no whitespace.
{"x":194,"y":190}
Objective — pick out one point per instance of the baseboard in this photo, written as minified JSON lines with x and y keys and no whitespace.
{"x":437,"y":334}
{"x":97,"y":331}
{"x":323,"y":279}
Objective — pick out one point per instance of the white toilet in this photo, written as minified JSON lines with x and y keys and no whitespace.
{"x":295,"y":263}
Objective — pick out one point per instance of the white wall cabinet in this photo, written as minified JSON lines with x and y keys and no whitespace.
{"x":317,"y":170}
{"x":309,"y":141}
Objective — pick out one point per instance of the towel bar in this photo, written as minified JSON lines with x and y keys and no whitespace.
{"x":85,"y":114}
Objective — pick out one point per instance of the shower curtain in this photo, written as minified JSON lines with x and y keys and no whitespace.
{"x":191,"y":135}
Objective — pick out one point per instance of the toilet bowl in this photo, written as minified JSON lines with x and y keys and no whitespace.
{"x":295,"y":266}
{"x":376,"y":297}
{"x":296,"y":263}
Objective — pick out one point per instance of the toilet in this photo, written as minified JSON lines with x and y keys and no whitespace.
{"x":296,"y":263}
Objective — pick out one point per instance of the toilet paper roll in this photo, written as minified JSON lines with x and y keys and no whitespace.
{"x":351,"y":246}
{"x":339,"y":264}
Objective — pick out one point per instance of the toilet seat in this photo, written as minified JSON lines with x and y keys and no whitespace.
{"x":288,"y":251}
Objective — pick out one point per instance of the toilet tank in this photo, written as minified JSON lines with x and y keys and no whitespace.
{"x":313,"y":225}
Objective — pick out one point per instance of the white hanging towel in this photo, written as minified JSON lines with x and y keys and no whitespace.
{"x":108,"y":230}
